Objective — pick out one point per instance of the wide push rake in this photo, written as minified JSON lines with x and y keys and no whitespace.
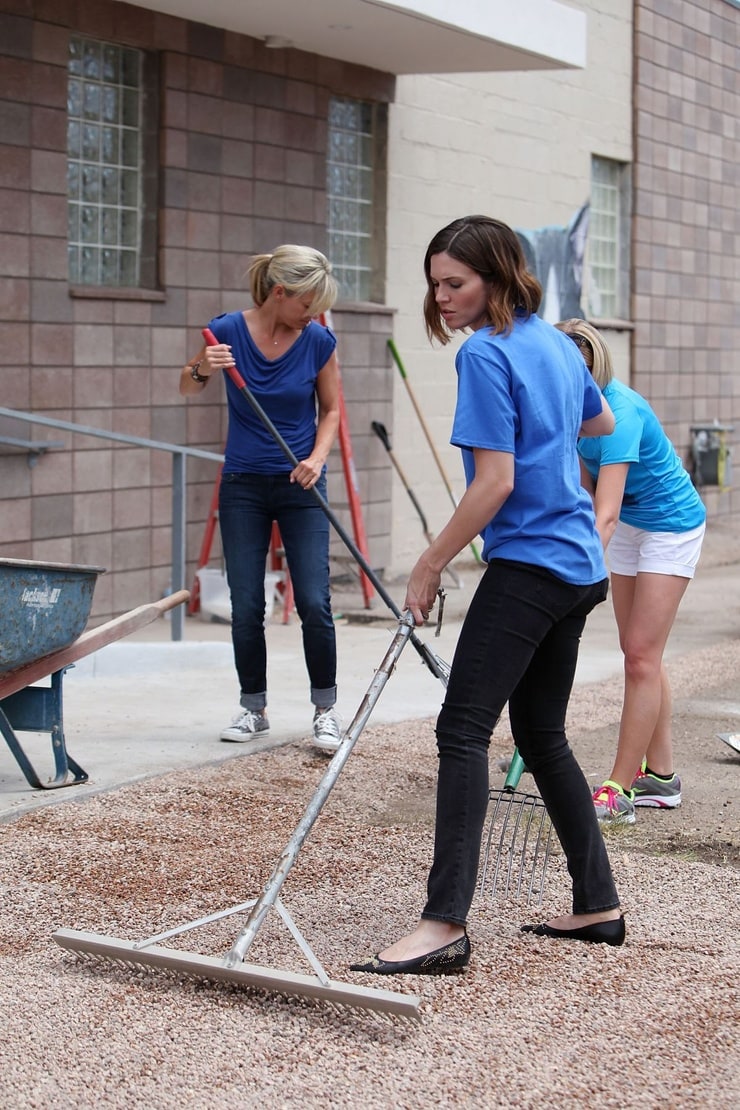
{"x":232,"y":967}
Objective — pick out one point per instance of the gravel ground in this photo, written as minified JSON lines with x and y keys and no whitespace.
{"x":531,"y":1023}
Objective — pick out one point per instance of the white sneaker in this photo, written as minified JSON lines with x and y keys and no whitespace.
{"x":246,"y":725}
{"x":327,"y":731}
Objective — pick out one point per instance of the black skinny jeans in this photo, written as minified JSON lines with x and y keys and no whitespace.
{"x":519,"y":643}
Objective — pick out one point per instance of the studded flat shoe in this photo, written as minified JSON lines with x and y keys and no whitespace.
{"x":447,"y":960}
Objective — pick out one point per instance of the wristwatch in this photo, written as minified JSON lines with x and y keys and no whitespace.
{"x":195,"y":375}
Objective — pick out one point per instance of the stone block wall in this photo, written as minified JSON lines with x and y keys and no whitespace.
{"x":686,"y":230}
{"x":242,"y":147}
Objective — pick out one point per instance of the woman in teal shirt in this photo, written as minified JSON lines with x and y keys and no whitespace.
{"x":652,"y":520}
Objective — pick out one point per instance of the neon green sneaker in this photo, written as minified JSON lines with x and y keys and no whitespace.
{"x":647,"y":790}
{"x":614,"y":805}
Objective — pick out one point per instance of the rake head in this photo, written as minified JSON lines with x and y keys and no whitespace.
{"x":98,"y":949}
{"x":232,"y":968}
{"x":517,"y":847}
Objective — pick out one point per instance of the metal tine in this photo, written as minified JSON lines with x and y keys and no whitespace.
{"x":504,"y":830}
{"x":519,"y":813}
{"x":535,"y":855}
{"x":530,"y":803}
{"x":521,"y":832}
{"x":546,"y":824}
{"x":487,"y":850}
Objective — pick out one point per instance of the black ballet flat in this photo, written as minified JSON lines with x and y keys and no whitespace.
{"x":601,"y":932}
{"x":442,"y":961}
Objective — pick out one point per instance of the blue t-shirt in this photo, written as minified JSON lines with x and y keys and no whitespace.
{"x":285,"y":388}
{"x":527,"y":393}
{"x":658,"y":494}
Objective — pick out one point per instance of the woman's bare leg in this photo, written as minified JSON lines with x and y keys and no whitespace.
{"x":645,"y":608}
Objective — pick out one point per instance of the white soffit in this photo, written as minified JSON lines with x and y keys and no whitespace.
{"x":418,"y":36}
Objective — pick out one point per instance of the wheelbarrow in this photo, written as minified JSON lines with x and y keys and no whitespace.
{"x":44,"y":608}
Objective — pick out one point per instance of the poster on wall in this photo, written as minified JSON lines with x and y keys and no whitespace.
{"x":555,"y":256}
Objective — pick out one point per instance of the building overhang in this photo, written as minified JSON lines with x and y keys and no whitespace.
{"x":416,"y":36}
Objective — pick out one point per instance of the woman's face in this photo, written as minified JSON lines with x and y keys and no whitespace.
{"x":461,"y":293}
{"x":294,"y":310}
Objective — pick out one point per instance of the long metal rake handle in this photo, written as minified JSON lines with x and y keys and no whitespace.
{"x":290,"y":852}
{"x":432,"y":661}
{"x":382,"y":433}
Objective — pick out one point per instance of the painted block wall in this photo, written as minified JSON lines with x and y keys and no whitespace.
{"x":514,"y":146}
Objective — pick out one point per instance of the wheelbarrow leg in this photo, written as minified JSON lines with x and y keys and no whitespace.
{"x":39,"y":709}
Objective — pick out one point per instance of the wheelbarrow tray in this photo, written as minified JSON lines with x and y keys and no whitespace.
{"x":44,"y":607}
{"x":25,"y":706}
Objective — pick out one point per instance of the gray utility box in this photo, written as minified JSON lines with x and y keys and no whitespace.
{"x":711,"y":454}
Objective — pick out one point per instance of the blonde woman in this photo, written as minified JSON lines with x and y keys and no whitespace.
{"x":652,"y":520}
{"x":289,"y":363}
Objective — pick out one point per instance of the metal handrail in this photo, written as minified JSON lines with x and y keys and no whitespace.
{"x":179,"y":455}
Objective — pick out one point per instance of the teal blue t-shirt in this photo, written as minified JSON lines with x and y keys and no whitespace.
{"x":285,"y":388}
{"x":658,"y":494}
{"x":527,"y":393}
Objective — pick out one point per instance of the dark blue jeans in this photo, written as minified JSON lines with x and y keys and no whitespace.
{"x":248,"y":505}
{"x":519,"y":643}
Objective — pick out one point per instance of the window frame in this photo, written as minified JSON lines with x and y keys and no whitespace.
{"x":373,"y":237}
{"x":615,"y":186}
{"x":148,"y":177}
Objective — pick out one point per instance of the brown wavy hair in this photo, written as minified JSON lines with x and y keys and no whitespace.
{"x":493,"y":250}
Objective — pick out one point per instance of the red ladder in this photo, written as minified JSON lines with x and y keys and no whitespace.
{"x":350,"y":480}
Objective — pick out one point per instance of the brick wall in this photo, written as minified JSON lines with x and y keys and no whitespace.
{"x":242,"y":147}
{"x":686,"y":353}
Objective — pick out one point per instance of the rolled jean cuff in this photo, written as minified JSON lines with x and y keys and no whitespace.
{"x":254,"y":702}
{"x":445,"y":920}
{"x":579,"y":910}
{"x":324,"y":699}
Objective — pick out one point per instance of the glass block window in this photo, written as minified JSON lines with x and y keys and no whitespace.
{"x":607,"y":248}
{"x":104,"y":163}
{"x":349,"y":187}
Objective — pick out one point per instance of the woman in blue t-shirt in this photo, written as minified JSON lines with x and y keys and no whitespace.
{"x":652,"y":520}
{"x":523,"y":397}
{"x":288,"y":361}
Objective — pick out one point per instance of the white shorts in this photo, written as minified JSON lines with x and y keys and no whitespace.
{"x":633,"y":551}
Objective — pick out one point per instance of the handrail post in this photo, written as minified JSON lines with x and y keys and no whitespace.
{"x":178,"y":537}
